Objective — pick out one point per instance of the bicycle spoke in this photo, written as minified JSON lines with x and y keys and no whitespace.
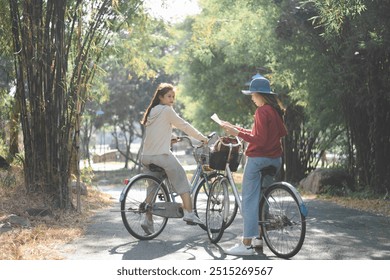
{"x":200,"y":197}
{"x":217,"y":209}
{"x":283,"y":225}
{"x":136,"y":207}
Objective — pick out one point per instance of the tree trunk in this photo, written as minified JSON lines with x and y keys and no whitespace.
{"x":51,"y":97}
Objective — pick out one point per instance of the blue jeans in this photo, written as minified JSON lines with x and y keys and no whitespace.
{"x":251,"y":191}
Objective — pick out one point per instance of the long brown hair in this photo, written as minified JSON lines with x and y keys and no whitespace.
{"x":274,"y":102}
{"x":161,"y":90}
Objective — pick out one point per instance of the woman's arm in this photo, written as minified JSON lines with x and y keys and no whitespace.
{"x":233,"y":129}
{"x":184,"y":126}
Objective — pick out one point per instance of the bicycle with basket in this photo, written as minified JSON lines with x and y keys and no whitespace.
{"x":282,"y":212}
{"x":146,"y":193}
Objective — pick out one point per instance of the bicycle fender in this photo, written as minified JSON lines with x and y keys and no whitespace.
{"x":302,"y":206}
{"x":127,"y":186}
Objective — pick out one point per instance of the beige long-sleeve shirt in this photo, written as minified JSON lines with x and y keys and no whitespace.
{"x":158,"y":130}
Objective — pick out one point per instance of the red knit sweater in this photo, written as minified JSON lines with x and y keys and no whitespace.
{"x":265,"y":137}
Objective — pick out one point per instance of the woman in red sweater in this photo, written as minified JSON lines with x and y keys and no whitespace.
{"x":264,"y":149}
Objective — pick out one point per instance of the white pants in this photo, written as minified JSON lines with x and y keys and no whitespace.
{"x":175,"y":172}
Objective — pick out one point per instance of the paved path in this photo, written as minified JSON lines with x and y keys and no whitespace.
{"x":333,"y":233}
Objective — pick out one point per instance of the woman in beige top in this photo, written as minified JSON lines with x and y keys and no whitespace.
{"x":159,"y":120}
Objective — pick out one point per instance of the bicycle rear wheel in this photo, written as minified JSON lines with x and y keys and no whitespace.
{"x":136,"y":204}
{"x":282,"y":224}
{"x":217,"y":209}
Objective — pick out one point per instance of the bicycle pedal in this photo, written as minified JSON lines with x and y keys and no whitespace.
{"x":257,"y":245}
{"x":258,"y":249}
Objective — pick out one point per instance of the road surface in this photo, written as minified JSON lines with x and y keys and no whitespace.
{"x":333,"y":233}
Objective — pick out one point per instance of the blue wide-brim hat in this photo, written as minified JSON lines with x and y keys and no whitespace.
{"x":258,"y":84}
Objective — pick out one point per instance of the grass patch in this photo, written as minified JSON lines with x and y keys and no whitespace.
{"x":362,"y":200}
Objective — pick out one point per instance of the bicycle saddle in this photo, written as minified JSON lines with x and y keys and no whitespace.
{"x":155,"y":168}
{"x":268,"y":171}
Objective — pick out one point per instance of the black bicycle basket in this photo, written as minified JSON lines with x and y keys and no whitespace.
{"x":219,"y":155}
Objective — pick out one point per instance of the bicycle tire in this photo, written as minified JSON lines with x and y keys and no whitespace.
{"x":200,"y":200}
{"x":200,"y":197}
{"x":233,"y":206}
{"x":217,"y":208}
{"x":283,"y":226}
{"x":134,"y":206}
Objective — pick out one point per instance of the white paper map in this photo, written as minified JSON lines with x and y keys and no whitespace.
{"x":215,"y":118}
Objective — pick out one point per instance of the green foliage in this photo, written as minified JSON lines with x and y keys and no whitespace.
{"x":365,"y":193}
{"x":222,"y":49}
{"x":58,"y":46}
{"x":328,"y":60}
{"x":330,"y":190}
{"x":225,"y":46}
{"x":334,"y":14}
{"x":357,"y":36}
{"x":140,"y":58}
{"x":87,"y":175}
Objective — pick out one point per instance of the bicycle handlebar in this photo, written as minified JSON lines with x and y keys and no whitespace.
{"x":181,"y":138}
{"x":211,"y":135}
{"x":239,"y":142}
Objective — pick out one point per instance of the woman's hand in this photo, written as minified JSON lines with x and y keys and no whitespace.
{"x":225,"y":123}
{"x":230,"y":129}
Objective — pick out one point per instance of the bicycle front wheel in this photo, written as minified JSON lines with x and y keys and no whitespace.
{"x":282,"y":224}
{"x":201,"y":194}
{"x":217,"y":209}
{"x":136,"y":205}
{"x":233,"y":206}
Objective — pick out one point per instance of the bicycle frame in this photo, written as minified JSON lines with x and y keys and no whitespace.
{"x":196,"y":177}
{"x":302,"y":205}
{"x":195,"y":180}
{"x":282,"y":212}
{"x":229,"y":175}
{"x":149,"y":199}
{"x":198,"y":174}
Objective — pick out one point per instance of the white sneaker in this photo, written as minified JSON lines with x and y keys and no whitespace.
{"x":191,"y":218}
{"x":257,"y":244}
{"x":240,"y":250}
{"x":147,"y":225}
